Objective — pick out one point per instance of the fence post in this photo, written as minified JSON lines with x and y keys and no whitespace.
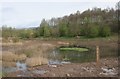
{"x":97,"y":55}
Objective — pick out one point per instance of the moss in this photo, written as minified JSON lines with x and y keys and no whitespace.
{"x":74,"y":49}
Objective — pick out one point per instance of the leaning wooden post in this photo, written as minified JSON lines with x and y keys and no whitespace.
{"x":97,"y":55}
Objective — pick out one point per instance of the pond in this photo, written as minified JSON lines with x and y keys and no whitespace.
{"x":57,"y":56}
{"x":66,"y":55}
{"x":73,"y":55}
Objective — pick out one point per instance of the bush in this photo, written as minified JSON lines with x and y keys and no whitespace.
{"x":26,"y":33}
{"x":93,"y":31}
{"x":105,"y":31}
{"x":90,"y":31}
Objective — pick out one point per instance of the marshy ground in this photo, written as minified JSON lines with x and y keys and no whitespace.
{"x":34,"y":54}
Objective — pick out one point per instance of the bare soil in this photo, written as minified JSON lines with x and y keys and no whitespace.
{"x":90,"y":69}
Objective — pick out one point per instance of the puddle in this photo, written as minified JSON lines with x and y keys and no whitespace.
{"x":110,"y":71}
{"x":21,"y":66}
{"x":54,"y":62}
{"x":57,"y":62}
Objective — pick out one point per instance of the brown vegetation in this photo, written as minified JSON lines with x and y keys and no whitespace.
{"x":9,"y":56}
{"x":36,"y":61}
{"x":8,"y":64}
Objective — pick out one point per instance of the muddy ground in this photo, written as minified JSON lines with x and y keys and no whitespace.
{"x":104,"y":69}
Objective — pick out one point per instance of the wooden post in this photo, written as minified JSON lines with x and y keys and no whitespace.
{"x":97,"y":55}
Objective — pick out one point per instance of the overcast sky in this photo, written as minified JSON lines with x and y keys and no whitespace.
{"x":29,"y":14}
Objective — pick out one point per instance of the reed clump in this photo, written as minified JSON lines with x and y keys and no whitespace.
{"x":36,"y":61}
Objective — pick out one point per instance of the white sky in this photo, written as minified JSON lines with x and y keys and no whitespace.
{"x":21,"y":13}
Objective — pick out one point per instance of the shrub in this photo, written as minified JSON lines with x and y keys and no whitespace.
{"x":93,"y":31}
{"x":105,"y":31}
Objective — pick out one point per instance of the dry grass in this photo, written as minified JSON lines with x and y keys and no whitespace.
{"x":21,"y":57}
{"x":33,"y":51}
{"x":36,"y":61}
{"x":63,"y":43}
{"x":8,"y":64}
{"x":9,"y":56}
{"x":8,"y":44}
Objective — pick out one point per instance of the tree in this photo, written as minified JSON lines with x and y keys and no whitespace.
{"x":93,"y":31}
{"x":90,"y":31}
{"x":55,"y":31}
{"x":47,"y":31}
{"x":44,"y":29}
{"x":41,"y":31}
{"x":41,"y":28}
{"x":63,"y":29}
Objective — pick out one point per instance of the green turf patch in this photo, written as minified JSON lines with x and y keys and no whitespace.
{"x":74,"y":49}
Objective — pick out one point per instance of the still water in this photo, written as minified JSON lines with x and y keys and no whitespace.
{"x":71,"y":56}
{"x":58,"y":56}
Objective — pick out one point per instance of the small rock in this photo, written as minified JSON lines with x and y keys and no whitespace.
{"x":54,"y":66}
{"x":85,"y":69}
{"x":68,"y":75}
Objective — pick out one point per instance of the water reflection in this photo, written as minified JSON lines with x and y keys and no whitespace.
{"x":21,"y":66}
{"x":58,"y":56}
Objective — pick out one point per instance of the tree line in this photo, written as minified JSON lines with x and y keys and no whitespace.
{"x":90,"y":23}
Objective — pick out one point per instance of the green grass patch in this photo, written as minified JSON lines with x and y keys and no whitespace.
{"x":74,"y":49}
